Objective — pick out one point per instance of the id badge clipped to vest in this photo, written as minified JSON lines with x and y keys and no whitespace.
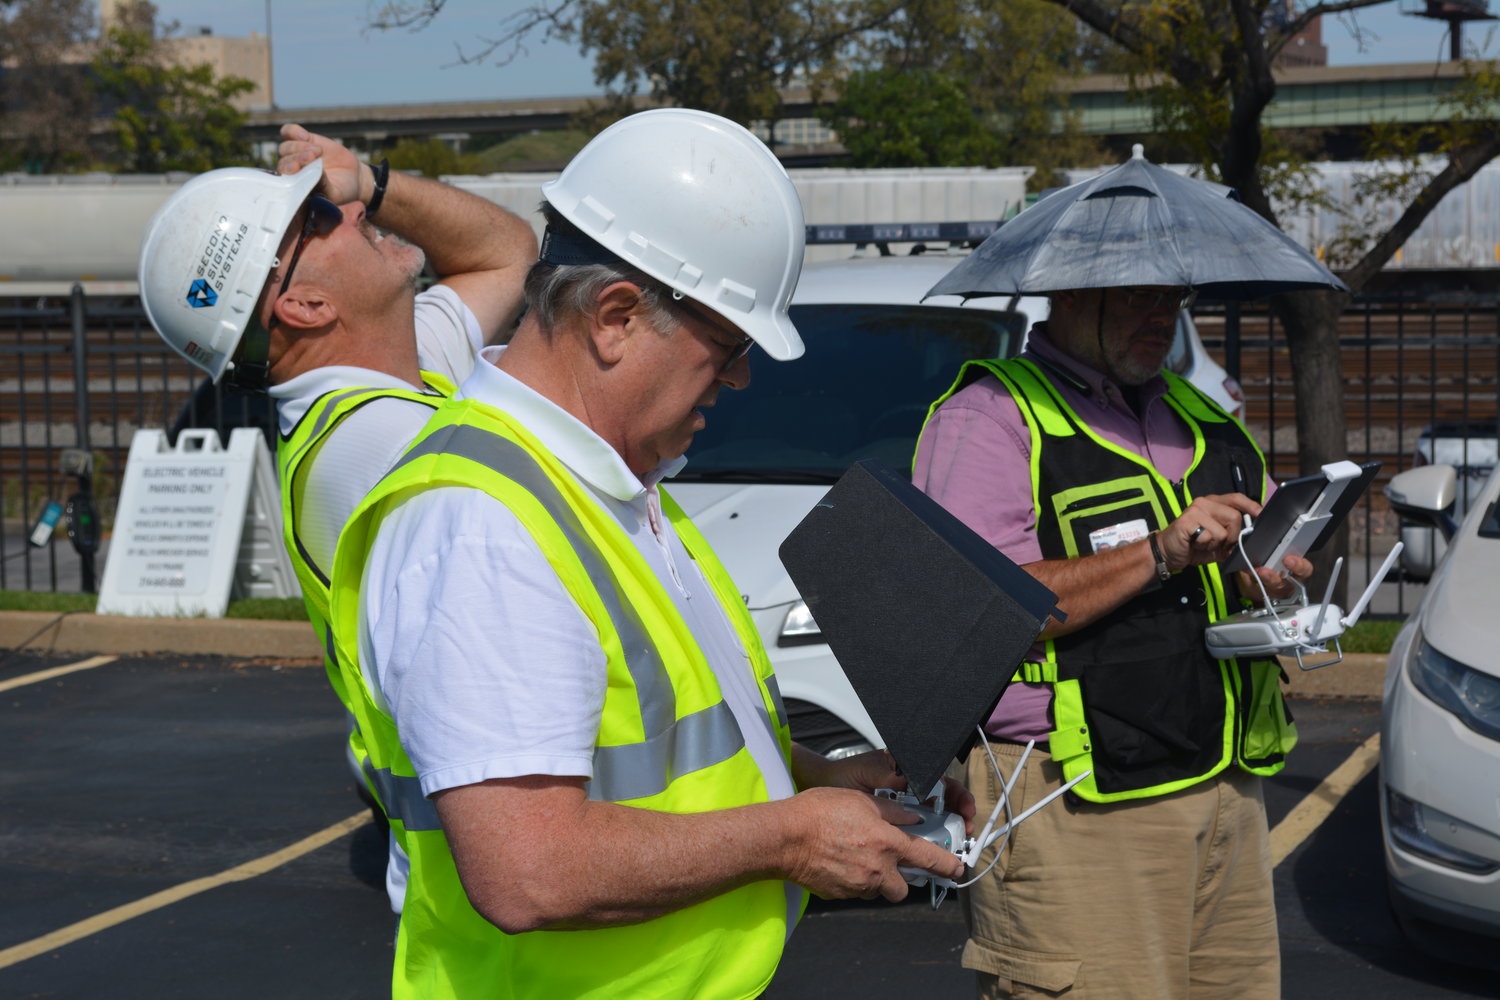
{"x":1115,"y":535}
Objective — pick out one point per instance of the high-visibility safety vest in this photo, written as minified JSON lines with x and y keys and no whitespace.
{"x":295,"y":453}
{"x":1137,"y":699}
{"x":667,"y":741}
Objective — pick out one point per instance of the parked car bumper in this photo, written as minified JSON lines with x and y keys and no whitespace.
{"x":1440,"y":806}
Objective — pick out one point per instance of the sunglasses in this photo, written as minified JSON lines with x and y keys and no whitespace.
{"x":1149,"y":299}
{"x":741,"y":346}
{"x":323,"y":217}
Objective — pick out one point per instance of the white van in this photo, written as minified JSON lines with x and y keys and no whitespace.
{"x":877,"y":357}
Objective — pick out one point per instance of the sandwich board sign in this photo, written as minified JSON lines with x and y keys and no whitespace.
{"x":197,"y":524}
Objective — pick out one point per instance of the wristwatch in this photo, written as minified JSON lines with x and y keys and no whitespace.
{"x":1162,"y":573}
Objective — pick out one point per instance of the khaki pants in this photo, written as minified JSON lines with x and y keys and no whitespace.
{"x":1155,"y":899}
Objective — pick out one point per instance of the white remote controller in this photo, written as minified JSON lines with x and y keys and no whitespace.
{"x":944,"y":829}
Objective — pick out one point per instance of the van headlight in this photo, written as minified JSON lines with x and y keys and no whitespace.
{"x":1469,"y":694}
{"x":798,"y":628}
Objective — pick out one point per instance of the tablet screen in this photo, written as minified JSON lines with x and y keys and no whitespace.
{"x":1291,"y":500}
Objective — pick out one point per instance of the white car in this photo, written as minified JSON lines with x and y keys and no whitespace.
{"x":1440,"y":731}
{"x":877,"y":357}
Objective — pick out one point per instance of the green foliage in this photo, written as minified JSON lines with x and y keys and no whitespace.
{"x":1371,"y":636}
{"x":168,"y":117}
{"x":284,"y":609}
{"x":33,"y":600}
{"x":45,"y":101}
{"x":890,"y":117}
{"x":989,"y":69}
{"x":429,"y":157}
{"x":288,"y":609}
{"x":534,"y":151}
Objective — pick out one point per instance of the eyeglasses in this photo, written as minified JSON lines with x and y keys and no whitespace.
{"x":741,"y":346}
{"x":1149,"y":299}
{"x":323,"y":217}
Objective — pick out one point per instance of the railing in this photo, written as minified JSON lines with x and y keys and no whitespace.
{"x":85,"y":374}
{"x":78,"y":374}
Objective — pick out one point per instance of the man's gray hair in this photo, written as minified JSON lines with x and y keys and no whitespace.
{"x":555,"y":292}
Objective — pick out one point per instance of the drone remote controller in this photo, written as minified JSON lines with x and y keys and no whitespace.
{"x":1294,"y":628}
{"x":947,"y":829}
{"x":944,"y":829}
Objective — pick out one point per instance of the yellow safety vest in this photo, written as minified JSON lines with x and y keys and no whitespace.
{"x":667,"y":741}
{"x":295,"y":452}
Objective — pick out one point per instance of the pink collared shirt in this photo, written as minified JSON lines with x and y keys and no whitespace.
{"x":975,"y":459}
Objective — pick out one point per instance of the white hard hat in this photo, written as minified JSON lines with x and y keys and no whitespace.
{"x":207,"y":253}
{"x":700,"y":204}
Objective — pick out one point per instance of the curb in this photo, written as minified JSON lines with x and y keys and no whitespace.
{"x":121,"y":635}
{"x":1360,"y":675}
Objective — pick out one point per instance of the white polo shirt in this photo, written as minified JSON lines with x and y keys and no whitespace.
{"x":473,"y":644}
{"x":368,"y":441}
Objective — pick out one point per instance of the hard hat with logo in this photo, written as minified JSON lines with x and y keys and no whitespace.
{"x":207,"y":253}
{"x":700,"y":204}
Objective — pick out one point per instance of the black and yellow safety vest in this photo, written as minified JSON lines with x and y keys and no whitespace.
{"x":1137,"y":699}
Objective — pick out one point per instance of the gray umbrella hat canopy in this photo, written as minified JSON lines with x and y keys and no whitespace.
{"x":1138,"y":224}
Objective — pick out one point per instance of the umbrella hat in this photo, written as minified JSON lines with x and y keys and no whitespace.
{"x":1138,"y":224}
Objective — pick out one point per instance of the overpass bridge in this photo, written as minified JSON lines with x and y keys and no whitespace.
{"x":1333,"y":98}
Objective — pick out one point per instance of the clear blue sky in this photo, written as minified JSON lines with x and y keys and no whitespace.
{"x":324,"y":55}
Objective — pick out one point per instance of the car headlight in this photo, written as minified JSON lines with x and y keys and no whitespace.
{"x":798,"y":628}
{"x":1469,"y":694}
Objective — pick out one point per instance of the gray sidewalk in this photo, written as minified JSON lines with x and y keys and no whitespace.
{"x":1359,"y":676}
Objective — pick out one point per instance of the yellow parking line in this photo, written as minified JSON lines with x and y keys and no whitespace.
{"x":1309,"y":814}
{"x":46,"y":675}
{"x":120,"y":914}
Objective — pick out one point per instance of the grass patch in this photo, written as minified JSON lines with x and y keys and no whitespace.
{"x":40,"y":600}
{"x":282,"y":609}
{"x":1370,"y":636}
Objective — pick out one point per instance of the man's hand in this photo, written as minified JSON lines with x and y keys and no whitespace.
{"x":345,"y":178}
{"x":853,"y":844}
{"x":868,"y":771}
{"x":1278,"y":584}
{"x":1207,"y":532}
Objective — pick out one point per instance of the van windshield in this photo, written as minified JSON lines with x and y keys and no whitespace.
{"x":862,"y":390}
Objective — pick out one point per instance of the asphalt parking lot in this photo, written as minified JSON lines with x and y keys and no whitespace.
{"x":183,"y":826}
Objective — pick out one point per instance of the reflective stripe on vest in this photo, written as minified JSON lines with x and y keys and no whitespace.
{"x":629,"y":771}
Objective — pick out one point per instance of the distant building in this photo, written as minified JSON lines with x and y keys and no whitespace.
{"x":248,"y":57}
{"x":1306,"y":48}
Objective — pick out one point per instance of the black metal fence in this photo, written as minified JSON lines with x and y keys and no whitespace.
{"x":78,"y":377}
{"x":84,"y":375}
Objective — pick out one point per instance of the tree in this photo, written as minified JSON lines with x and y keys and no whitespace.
{"x":166,"y":116}
{"x":892,"y":117}
{"x":1206,"y":66}
{"x":731,"y":57}
{"x":989,"y":68}
{"x":46,"y":105}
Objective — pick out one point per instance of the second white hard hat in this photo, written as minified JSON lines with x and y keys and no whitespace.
{"x":207,"y":253}
{"x":699,"y":203}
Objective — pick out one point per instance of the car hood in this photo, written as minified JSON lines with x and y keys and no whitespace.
{"x":745,"y":523}
{"x":1458,"y":613}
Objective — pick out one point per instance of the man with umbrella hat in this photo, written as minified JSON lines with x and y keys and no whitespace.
{"x":1121,"y":487}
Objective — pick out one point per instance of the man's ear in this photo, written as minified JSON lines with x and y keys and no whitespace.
{"x":616,"y":317}
{"x":305,"y":307}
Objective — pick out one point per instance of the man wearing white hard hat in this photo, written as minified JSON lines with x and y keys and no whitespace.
{"x":588,"y":761}
{"x":283,"y":282}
